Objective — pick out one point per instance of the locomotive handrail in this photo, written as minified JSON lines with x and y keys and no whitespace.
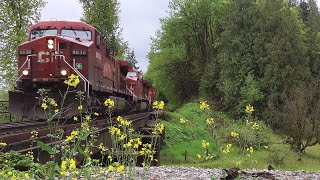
{"x":149,"y":99}
{"x":131,"y":93}
{"x":81,"y":75}
{"x":27,"y":60}
{"x":77,"y":72}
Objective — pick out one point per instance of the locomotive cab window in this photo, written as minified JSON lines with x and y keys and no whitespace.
{"x":77,"y":34}
{"x":36,"y":33}
{"x":132,"y":74}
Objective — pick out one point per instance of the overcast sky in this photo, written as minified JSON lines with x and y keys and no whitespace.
{"x":139,"y":20}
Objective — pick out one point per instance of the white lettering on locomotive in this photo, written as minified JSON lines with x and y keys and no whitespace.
{"x":42,"y":59}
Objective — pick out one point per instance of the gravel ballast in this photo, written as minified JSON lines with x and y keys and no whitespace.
{"x":192,"y":173}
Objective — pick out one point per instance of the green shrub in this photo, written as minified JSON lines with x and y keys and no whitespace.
{"x":250,"y":134}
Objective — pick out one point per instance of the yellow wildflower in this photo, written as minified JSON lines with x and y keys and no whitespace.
{"x":250,"y":149}
{"x":3,"y":144}
{"x":74,"y":133}
{"x":122,"y":137}
{"x":109,"y":103}
{"x":63,"y":173}
{"x":249,"y":109}
{"x":80,"y":107}
{"x":234,"y":134}
{"x":110,"y":168}
{"x":204,"y":105}
{"x":120,"y":169}
{"x":52,"y":102}
{"x":64,"y":165}
{"x":210,"y":121}
{"x":255,"y":126}
{"x":26,"y":175}
{"x":227,"y":149}
{"x":183,"y":121}
{"x":72,"y":80}
{"x":199,"y":156}
{"x":158,"y":105}
{"x":96,"y":114}
{"x":72,"y":164}
{"x":158,"y":128}
{"x":56,"y":110}
{"x":238,"y":163}
{"x":205,"y":144}
{"x":75,"y":118}
{"x":44,"y":106}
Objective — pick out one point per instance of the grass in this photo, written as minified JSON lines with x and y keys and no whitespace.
{"x":183,"y":143}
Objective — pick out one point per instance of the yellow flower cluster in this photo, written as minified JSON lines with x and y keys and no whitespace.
{"x":72,"y":80}
{"x":80,"y":107}
{"x":123,"y":122}
{"x":102,"y":148}
{"x":227,"y":149}
{"x":210,"y":121}
{"x":3,"y":144}
{"x":209,"y":156}
{"x":115,"y":131}
{"x":158,"y":128}
{"x":250,"y":150}
{"x":64,"y":166}
{"x":204,"y":105}
{"x":44,"y":106}
{"x":255,"y":126}
{"x":249,"y":109}
{"x":85,"y":126}
{"x":183,"y":121}
{"x":158,"y":105}
{"x":72,"y":137}
{"x":234,"y":134}
{"x":116,"y":166}
{"x":146,"y":151}
{"x":52,"y":102}
{"x":205,"y":144}
{"x":34,"y":134}
{"x":109,"y":103}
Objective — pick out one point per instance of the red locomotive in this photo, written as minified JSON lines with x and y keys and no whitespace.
{"x":57,"y":49}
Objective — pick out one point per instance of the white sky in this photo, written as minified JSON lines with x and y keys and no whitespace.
{"x":139,"y":21}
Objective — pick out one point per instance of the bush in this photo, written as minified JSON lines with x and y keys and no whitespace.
{"x":247,"y":134}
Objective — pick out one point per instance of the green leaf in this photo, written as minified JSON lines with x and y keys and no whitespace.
{"x":80,"y":150}
{"x":45,"y":147}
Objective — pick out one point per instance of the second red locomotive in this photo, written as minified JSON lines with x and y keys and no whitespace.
{"x":57,"y":49}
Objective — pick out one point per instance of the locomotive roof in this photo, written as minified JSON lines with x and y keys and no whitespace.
{"x":62,"y":24}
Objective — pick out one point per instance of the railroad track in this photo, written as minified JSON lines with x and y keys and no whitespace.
{"x":17,"y":134}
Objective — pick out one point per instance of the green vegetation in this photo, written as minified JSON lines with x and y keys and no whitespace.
{"x":15,"y":19}
{"x":239,"y":52}
{"x":182,"y":138}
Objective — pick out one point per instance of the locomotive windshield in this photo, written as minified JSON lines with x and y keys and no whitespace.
{"x":132,"y":74}
{"x":73,"y":33}
{"x":36,"y":33}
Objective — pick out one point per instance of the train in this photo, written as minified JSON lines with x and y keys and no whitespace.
{"x":55,"y":50}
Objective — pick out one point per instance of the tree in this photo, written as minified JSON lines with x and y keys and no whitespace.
{"x":104,"y":15}
{"x":15,"y":18}
{"x":131,"y":58}
{"x":300,"y":116}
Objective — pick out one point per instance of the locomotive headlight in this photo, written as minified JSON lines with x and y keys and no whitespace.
{"x":25,"y":72}
{"x":50,"y":44}
{"x":63,"y":72}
